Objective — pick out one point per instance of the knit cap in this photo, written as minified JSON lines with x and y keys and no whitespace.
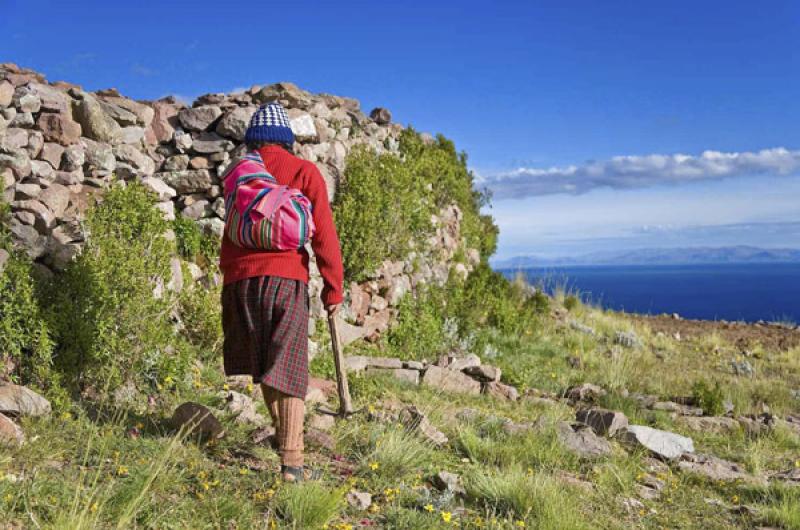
{"x":270,"y":123}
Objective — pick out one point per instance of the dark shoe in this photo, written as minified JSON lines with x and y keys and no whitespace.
{"x":299,"y":474}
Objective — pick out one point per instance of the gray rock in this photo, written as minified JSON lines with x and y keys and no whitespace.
{"x":42,"y":170}
{"x":742,"y":367}
{"x":167,"y":209}
{"x":677,"y":408}
{"x":52,"y":152}
{"x":463,"y":363}
{"x":24,"y":192}
{"x":122,"y":116}
{"x":15,"y":138}
{"x":18,"y":401}
{"x":581,"y":440}
{"x":95,"y":123}
{"x":178,"y":163}
{"x":59,"y":128}
{"x":602,"y":421}
{"x":663,"y":444}
{"x":199,"y":118}
{"x":484,"y":373}
{"x":206,"y":143}
{"x":28,"y":238}
{"x":99,"y":156}
{"x":322,"y":422}
{"x":500,"y":390}
{"x":160,"y":188}
{"x":583,"y":328}
{"x":128,"y":154}
{"x":189,"y":181}
{"x":56,"y":198}
{"x":303,"y":128}
{"x":51,"y":99}
{"x":18,"y":161}
{"x":628,"y":339}
{"x":25,"y":101}
{"x":411,"y":376}
{"x":234,"y":124}
{"x":360,"y":500}
{"x":414,"y":419}
{"x":197,"y":419}
{"x":718,"y":469}
{"x":44,"y":220}
{"x":381,"y":116}
{"x":10,"y":433}
{"x":73,"y":158}
{"x":183,"y":141}
{"x":446,"y":481}
{"x":4,"y":256}
{"x":197,"y":210}
{"x":585,"y":392}
{"x":450,"y":380}
{"x":6,"y":93}
{"x":244,"y":408}
{"x":357,"y":363}
{"x":132,"y":135}
{"x":212,"y":226}
{"x":35,"y":144}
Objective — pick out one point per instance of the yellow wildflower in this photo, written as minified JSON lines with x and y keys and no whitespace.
{"x":93,"y":507}
{"x":243,"y":471}
{"x":374,"y":466}
{"x":249,"y":388}
{"x":226,"y":387}
{"x":429,"y":507}
{"x":446,"y":516}
{"x":519,"y":524}
{"x":122,"y":471}
{"x":168,"y":380}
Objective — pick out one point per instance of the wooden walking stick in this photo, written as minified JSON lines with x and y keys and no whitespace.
{"x":345,"y":405}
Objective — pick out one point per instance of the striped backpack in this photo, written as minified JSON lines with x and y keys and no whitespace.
{"x":262,"y":214}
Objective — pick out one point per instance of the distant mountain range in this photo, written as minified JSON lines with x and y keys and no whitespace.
{"x":660,"y":256}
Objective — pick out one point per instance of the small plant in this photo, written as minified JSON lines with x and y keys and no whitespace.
{"x":526,"y":495}
{"x":308,"y":505}
{"x":192,"y":243}
{"x":709,"y":397}
{"x":571,"y":302}
{"x":108,"y":322}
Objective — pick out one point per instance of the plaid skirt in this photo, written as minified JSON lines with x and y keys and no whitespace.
{"x":265,"y":322}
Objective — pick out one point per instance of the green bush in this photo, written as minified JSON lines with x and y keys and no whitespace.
{"x":192,"y":243}
{"x":26,"y":346}
{"x":709,"y":397}
{"x":201,"y":314}
{"x":384,"y":206}
{"x":109,"y":326}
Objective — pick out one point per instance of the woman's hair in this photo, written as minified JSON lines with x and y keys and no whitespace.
{"x":254,"y":146}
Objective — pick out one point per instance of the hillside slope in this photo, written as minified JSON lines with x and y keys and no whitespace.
{"x":482,"y":403}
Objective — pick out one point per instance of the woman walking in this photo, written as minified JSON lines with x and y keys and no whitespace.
{"x":265,"y":304}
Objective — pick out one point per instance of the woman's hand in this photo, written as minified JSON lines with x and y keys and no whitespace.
{"x":332,"y":309}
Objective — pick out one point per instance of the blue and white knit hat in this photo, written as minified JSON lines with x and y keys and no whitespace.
{"x":270,"y":123}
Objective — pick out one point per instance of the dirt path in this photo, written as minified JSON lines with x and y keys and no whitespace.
{"x":770,"y":336}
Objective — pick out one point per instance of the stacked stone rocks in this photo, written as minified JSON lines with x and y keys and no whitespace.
{"x":60,"y":144}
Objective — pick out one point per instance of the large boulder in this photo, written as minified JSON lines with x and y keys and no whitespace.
{"x":579,"y":439}
{"x":59,"y":128}
{"x":450,"y":380}
{"x":165,"y":119}
{"x":199,"y":118}
{"x":717,"y":469}
{"x":197,"y":419}
{"x":10,"y":432}
{"x":602,"y":421}
{"x":18,"y":400}
{"x":234,"y":124}
{"x":663,"y":444}
{"x":189,"y":181}
{"x":95,"y":123}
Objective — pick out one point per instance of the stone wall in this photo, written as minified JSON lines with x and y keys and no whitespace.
{"x":60,"y":144}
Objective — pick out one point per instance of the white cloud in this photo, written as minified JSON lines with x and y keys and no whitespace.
{"x":630,"y":172}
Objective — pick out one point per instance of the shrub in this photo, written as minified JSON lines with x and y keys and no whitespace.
{"x":109,"y":326}
{"x":201,"y":315}
{"x":571,"y":302}
{"x":308,"y":505}
{"x":709,"y":397}
{"x":384,"y":206}
{"x":192,"y":243}
{"x":26,"y":346}
{"x":381,"y":210}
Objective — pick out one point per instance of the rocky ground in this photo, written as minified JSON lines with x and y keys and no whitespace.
{"x":444,"y":442}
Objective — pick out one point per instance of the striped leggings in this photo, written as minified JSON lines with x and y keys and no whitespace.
{"x":287,"y":414}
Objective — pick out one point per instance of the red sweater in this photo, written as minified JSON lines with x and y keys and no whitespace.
{"x":238,"y":263}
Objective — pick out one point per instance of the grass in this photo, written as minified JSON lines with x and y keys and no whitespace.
{"x":84,"y":467}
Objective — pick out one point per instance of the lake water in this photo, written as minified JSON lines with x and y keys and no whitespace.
{"x":746,"y":292}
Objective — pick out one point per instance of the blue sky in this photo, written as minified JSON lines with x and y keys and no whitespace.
{"x":542,"y":95}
